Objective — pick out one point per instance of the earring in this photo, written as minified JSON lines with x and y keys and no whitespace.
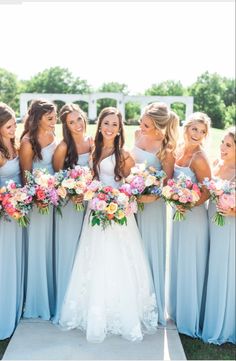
{"x":118,"y":134}
{"x":99,"y":130}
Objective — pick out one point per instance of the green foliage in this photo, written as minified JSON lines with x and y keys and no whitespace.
{"x":208,"y":93}
{"x":166,"y":88}
{"x":132,"y":112}
{"x":56,"y":80}
{"x":230,"y":116}
{"x":9,"y":89}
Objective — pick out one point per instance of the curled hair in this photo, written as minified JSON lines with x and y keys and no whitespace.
{"x":118,"y":143}
{"x":231,"y":132}
{"x":198,"y":117}
{"x":168,"y":121}
{"x":37,"y":109}
{"x":6,"y":114}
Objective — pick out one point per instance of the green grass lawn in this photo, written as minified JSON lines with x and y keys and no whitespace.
{"x":197,"y":350}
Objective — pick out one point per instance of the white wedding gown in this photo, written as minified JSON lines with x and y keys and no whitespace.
{"x":110,"y":289}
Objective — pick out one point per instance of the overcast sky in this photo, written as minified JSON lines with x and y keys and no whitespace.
{"x":136,"y":43}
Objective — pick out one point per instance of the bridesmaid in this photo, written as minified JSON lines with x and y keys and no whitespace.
{"x":189,"y":241}
{"x":155,"y":144}
{"x":11,"y":235}
{"x":36,"y":151}
{"x":74,"y":149}
{"x":220,"y":313}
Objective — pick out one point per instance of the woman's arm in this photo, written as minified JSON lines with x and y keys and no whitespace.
{"x":168,"y":165}
{"x":201,"y":168}
{"x":26,"y":156}
{"x":59,"y":156}
{"x":128,"y":163}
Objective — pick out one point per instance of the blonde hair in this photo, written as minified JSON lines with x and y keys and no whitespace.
{"x":231,"y":132}
{"x":198,"y":117}
{"x":165,"y":119}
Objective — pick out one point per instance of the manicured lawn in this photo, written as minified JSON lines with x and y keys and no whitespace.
{"x":197,"y":350}
{"x":3,"y":346}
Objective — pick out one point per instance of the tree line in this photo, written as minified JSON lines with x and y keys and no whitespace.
{"x":213,"y":94}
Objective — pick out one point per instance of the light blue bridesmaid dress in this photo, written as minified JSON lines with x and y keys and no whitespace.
{"x":152,"y":225}
{"x":220,"y":312}
{"x":11,"y":261}
{"x":189,"y":248}
{"x":67,"y":232}
{"x":40,"y":288}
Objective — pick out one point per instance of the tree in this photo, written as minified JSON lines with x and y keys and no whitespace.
{"x":208,"y":93}
{"x":228,"y":95}
{"x":56,"y":80}
{"x":170,"y":88}
{"x":166,"y":88}
{"x":230,"y":116}
{"x":9,"y":89}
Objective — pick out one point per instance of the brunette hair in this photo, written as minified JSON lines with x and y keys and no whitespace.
{"x":6,"y":114}
{"x":37,"y":109}
{"x":118,"y":143}
{"x":72,"y":155}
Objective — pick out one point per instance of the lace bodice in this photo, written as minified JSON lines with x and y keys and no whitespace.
{"x":10,"y":170}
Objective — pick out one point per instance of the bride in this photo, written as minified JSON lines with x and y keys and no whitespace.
{"x":110,"y":289}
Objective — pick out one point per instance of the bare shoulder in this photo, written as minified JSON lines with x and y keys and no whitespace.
{"x":2,"y":160}
{"x":25,"y":144}
{"x":62,"y":146}
{"x":200,"y":158}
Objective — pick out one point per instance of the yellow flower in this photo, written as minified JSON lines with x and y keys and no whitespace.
{"x":112,"y":208}
{"x":88,"y":195}
{"x":120,"y":214}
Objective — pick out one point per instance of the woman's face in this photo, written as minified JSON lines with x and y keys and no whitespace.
{"x":227,"y":148}
{"x":75,"y":123}
{"x":8,"y":130}
{"x":196,"y":133}
{"x":147,"y":127}
{"x":48,"y":121}
{"x":110,"y":126}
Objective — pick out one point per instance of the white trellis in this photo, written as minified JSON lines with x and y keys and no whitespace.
{"x":120,"y":98}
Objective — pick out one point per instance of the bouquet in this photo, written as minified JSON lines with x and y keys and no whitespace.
{"x":108,"y":205}
{"x":16,"y":202}
{"x":72,"y":183}
{"x":42,"y":187}
{"x":2,"y":210}
{"x":181,"y":191}
{"x":222,"y":192}
{"x":143,"y":180}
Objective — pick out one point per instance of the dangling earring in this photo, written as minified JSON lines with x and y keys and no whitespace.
{"x":118,"y":134}
{"x":99,"y":130}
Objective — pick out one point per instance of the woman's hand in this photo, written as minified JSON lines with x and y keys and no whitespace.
{"x":226,"y":212}
{"x":181,"y":209}
{"x":147,"y":198}
{"x":77,"y":199}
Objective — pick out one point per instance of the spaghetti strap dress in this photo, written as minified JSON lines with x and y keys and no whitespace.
{"x":39,"y":281}
{"x":152,"y":226}
{"x":12,"y":241}
{"x":189,"y":249}
{"x":67,"y":233}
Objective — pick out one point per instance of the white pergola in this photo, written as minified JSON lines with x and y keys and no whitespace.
{"x":120,"y":99}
